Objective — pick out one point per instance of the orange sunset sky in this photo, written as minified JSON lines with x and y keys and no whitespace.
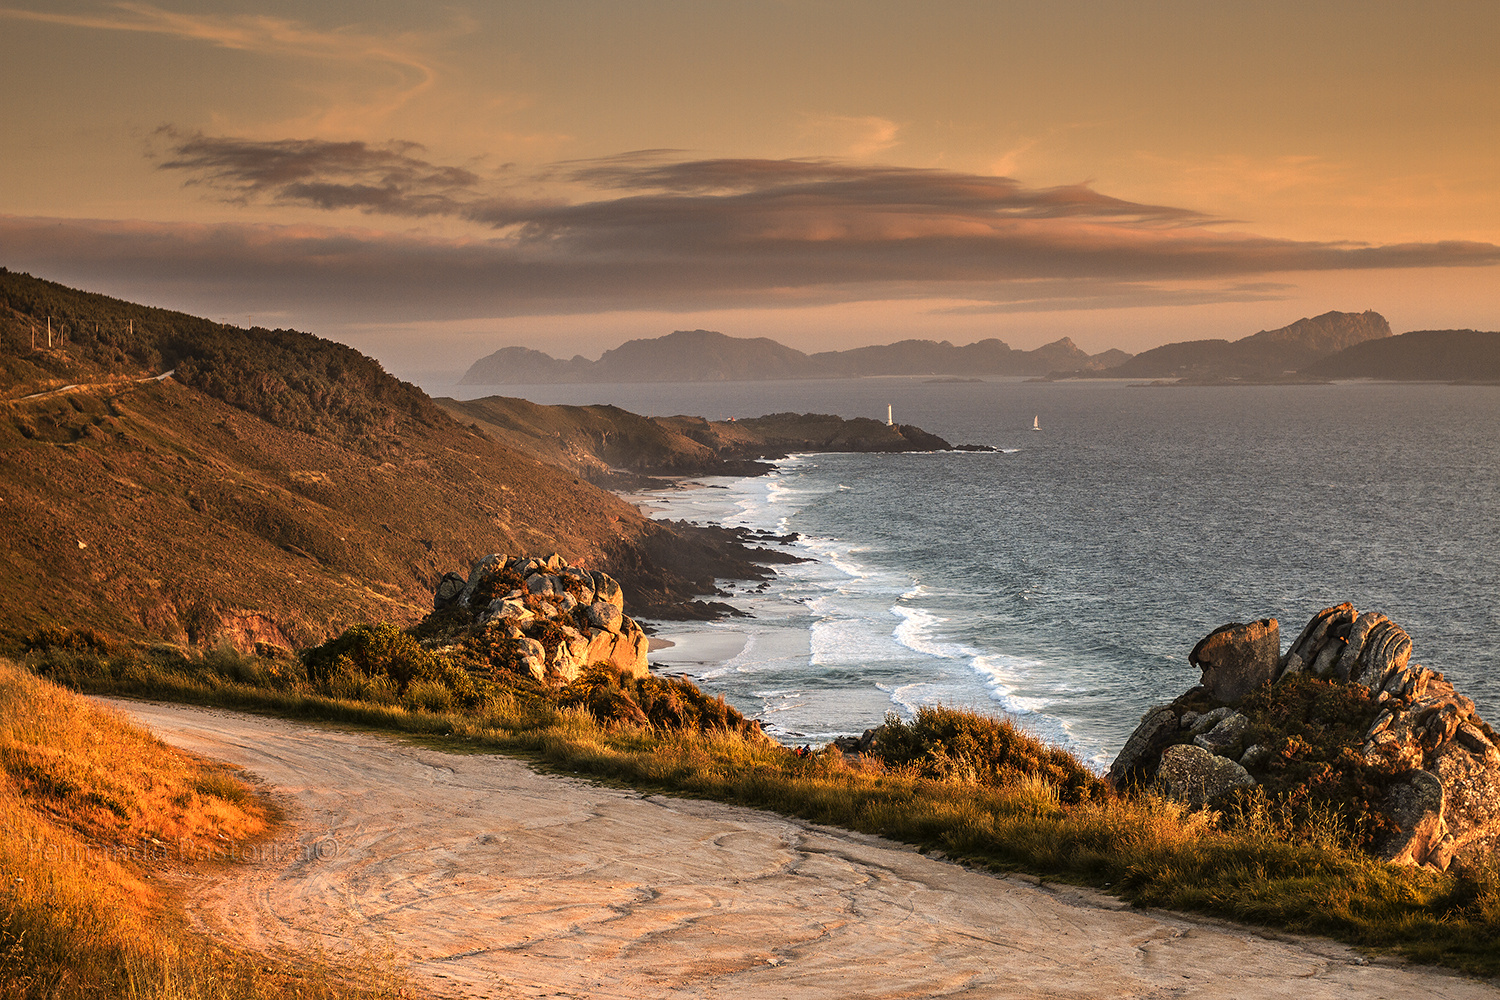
{"x":430,"y":182}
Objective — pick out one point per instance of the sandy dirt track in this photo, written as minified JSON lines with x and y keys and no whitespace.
{"x":496,"y":881}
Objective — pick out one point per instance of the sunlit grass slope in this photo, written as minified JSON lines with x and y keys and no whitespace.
{"x":95,"y":811}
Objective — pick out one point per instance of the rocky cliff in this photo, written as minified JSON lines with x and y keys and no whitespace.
{"x":535,"y":633}
{"x":1343,"y":722}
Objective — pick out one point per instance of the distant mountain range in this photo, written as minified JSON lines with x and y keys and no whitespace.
{"x":1333,"y":345}
{"x":706,"y":356}
{"x":1419,"y":356}
{"x":1267,"y":355}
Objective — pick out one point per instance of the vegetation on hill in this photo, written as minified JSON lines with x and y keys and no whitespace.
{"x":98,"y":817}
{"x":275,"y":489}
{"x":603,"y":444}
{"x":611,"y":446}
{"x":292,"y":380}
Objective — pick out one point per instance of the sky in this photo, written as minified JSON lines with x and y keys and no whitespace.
{"x":431,"y":182}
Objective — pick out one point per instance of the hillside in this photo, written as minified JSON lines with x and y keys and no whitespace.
{"x":275,"y":487}
{"x":1270,"y":355}
{"x":598,"y":443}
{"x":1422,"y":355}
{"x":706,"y":356}
{"x":611,"y":446}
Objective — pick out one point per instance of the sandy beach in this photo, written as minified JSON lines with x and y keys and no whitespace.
{"x":490,"y":880}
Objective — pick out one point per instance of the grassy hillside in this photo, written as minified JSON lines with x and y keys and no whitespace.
{"x":594,"y":442}
{"x":275,"y":488}
{"x":611,"y":446}
{"x":100,"y":819}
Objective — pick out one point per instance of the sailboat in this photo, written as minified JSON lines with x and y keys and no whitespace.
{"x":1035,"y":424}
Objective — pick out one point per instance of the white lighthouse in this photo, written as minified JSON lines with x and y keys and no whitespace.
{"x":888,"y":421}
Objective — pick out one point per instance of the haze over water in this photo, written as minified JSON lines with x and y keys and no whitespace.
{"x":1065,"y":579}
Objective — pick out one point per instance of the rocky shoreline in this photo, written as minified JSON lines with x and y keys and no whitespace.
{"x":1341,"y":726}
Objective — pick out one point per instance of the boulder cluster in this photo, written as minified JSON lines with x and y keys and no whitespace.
{"x":1427,"y":760}
{"x":557,"y":618}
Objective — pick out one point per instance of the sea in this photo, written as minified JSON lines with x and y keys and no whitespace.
{"x":1061,"y":579}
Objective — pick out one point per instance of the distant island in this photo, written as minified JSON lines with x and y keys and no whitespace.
{"x":707,"y":356}
{"x":1420,"y":356}
{"x":1334,"y":345}
{"x":1270,"y":355}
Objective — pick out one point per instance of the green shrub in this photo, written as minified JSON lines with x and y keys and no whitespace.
{"x":1314,"y":775}
{"x":382,"y":649}
{"x":952,"y":745}
{"x":82,"y":640}
{"x":428,"y":696}
{"x":665,"y":703}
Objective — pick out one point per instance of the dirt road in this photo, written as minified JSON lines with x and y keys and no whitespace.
{"x":495,"y":881}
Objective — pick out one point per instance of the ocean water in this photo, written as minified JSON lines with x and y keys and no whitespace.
{"x":1063,"y":579}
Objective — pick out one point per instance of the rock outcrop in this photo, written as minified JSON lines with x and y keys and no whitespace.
{"x":1344,"y":718}
{"x":1196,"y":776}
{"x":1236,"y":659}
{"x":555,"y":618}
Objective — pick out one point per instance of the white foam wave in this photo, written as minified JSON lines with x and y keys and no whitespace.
{"x":999,"y":672}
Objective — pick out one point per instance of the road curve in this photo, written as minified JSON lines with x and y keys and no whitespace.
{"x":492,"y":880}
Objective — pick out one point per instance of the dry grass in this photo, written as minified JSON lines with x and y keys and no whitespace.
{"x":95,"y":812}
{"x":109,"y":780}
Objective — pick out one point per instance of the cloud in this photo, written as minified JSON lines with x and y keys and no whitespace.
{"x":1094,"y":294}
{"x":657,"y":231}
{"x":396,"y":54}
{"x":389,"y":179}
{"x":854,"y":136}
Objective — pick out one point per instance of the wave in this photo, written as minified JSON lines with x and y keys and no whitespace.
{"x":1000,"y":673}
{"x":869,"y":626}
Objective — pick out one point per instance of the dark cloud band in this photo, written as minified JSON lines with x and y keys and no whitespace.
{"x":668,"y":233}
